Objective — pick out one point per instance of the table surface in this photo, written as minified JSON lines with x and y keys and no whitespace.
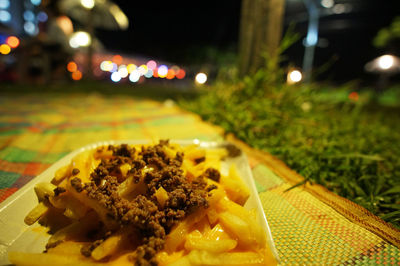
{"x":309,"y":225}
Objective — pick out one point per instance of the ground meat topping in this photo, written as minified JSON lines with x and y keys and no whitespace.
{"x":76,"y":183}
{"x":151,"y":221}
{"x":75,"y":171}
{"x":59,"y":190}
{"x":212,"y":174}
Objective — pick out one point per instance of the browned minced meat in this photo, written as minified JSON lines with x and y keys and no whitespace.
{"x":199,"y":160}
{"x":58,"y":191}
{"x":76,"y":183}
{"x":212,"y":174}
{"x":75,"y":171}
{"x":143,"y":213}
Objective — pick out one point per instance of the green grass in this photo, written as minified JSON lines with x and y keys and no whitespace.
{"x":350,"y":147}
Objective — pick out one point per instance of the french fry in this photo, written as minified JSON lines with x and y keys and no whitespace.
{"x":163,"y":258}
{"x":108,"y":247}
{"x":61,"y":174}
{"x":69,"y":248}
{"x":36,"y":213}
{"x":199,"y":242}
{"x":44,"y":190}
{"x":40,"y":259}
{"x":178,"y":234}
{"x":162,"y":196}
{"x":234,"y":186}
{"x":75,"y":230}
{"x":203,"y":257}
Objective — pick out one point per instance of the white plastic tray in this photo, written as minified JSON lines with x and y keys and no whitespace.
{"x":15,"y":235}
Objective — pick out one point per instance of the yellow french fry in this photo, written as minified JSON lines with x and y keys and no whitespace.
{"x":162,"y":196}
{"x":203,"y":257}
{"x":178,"y":234}
{"x":44,"y":190}
{"x":37,"y":212}
{"x":40,"y":259}
{"x":196,"y":242}
{"x":76,"y":229}
{"x":234,"y":186}
{"x":108,"y":247}
{"x":61,"y":174}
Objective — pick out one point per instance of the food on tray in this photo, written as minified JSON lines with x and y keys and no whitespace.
{"x":157,"y":204}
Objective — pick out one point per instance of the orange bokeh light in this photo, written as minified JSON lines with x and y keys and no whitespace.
{"x":77,"y":75}
{"x":117,"y":59}
{"x":170,"y":74}
{"x":353,"y":96}
{"x":72,"y":67}
{"x":155,"y":73}
{"x":65,"y":24}
{"x":181,"y":74}
{"x":12,"y":41}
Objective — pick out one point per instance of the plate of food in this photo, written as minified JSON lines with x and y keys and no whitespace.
{"x":134,"y":202}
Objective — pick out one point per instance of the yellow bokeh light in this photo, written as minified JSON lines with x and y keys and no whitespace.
{"x":143,"y":69}
{"x":131,"y":67}
{"x":5,"y":49}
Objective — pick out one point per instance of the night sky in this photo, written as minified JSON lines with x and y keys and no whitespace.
{"x":180,"y":31}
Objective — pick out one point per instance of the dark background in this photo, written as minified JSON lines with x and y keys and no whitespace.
{"x":181,"y":32}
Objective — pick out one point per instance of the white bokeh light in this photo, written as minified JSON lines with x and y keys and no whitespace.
{"x":201,"y":78}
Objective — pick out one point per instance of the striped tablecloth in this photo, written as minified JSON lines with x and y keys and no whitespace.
{"x":309,"y":224}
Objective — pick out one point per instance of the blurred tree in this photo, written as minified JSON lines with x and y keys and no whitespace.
{"x":260,"y":31}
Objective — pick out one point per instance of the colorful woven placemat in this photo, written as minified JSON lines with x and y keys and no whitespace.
{"x":309,"y":224}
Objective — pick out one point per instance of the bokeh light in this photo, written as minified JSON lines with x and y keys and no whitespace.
{"x":353,"y":96}
{"x":123,"y":71}
{"x":42,"y":16}
{"x":162,"y":71}
{"x":30,"y":28}
{"x":4,"y":4}
{"x":134,"y":76}
{"x":65,"y":24}
{"x":170,"y":74}
{"x":36,"y":2}
{"x":80,"y":39}
{"x":327,"y":3}
{"x":89,"y":4}
{"x":13,"y":41}
{"x":28,"y":15}
{"x":201,"y":78}
{"x":294,"y":76}
{"x":143,"y":69}
{"x":155,"y":73}
{"x":181,"y":74}
{"x":77,"y":75}
{"x":115,"y":76}
{"x":72,"y":67}
{"x":117,"y":59}
{"x":385,"y":62}
{"x":152,"y":64}
{"x":149,"y":73}
{"x":106,"y":66}
{"x":5,"y":16}
{"x":131,"y":67}
{"x":5,"y":49}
